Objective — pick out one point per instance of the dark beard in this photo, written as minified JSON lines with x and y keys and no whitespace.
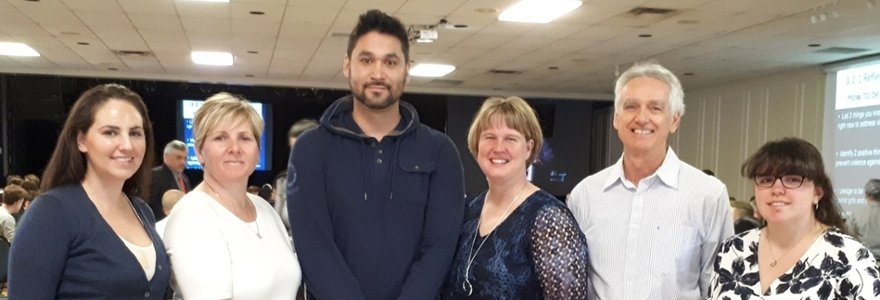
{"x":389,"y":101}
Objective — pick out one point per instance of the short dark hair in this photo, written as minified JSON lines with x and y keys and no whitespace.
{"x":67,"y":165}
{"x":13,"y":193}
{"x":795,"y":156}
{"x":376,"y":20}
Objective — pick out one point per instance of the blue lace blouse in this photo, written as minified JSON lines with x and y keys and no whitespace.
{"x":538,"y":252}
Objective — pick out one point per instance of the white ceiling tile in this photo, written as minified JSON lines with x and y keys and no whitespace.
{"x":207,"y":25}
{"x":93,"y":5}
{"x":203,"y":9}
{"x":312,"y":15}
{"x":335,"y":4}
{"x":25,"y":30}
{"x":271,"y":12}
{"x":163,"y":7}
{"x":430,"y":7}
{"x":677,"y":4}
{"x":383,"y":5}
{"x":255,"y":28}
{"x":104,"y":19}
{"x":303,"y":30}
{"x":154,"y":21}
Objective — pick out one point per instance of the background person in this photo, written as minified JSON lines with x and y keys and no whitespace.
{"x":280,"y":195}
{"x":224,"y":242}
{"x":515,"y":229}
{"x":865,"y":223}
{"x":168,"y":176}
{"x":89,"y":235}
{"x":803,"y":251}
{"x":169,"y":200}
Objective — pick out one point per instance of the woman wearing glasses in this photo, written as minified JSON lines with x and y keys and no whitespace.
{"x":802,"y":252}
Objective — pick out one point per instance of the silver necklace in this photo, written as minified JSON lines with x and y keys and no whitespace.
{"x":257,"y":224}
{"x":466,"y":284}
{"x":770,"y":247}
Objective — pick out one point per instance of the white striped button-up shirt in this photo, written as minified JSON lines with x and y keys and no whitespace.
{"x":654,"y":240}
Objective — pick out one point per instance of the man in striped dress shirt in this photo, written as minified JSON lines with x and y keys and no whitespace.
{"x":653,"y":223}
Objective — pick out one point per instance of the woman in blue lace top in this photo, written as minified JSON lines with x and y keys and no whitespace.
{"x":517,"y":241}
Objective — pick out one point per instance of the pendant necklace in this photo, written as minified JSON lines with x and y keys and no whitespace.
{"x":770,"y":247}
{"x":472,"y":254}
{"x":257,"y":224}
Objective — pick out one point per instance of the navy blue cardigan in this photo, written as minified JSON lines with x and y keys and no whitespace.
{"x":64,"y":249}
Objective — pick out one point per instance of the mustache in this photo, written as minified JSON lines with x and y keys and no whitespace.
{"x":379,"y":83}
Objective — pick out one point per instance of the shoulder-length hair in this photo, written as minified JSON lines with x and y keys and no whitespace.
{"x":67,"y":164}
{"x":225,"y":107}
{"x":795,"y":156}
{"x":513,"y":112}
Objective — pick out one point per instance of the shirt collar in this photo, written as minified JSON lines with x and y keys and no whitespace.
{"x":668,"y":171}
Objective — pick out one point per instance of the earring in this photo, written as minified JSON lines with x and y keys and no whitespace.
{"x":816,"y":205}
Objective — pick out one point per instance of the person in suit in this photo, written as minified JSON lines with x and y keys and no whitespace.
{"x":169,"y":176}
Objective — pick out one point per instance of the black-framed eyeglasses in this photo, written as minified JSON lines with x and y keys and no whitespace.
{"x":788,"y":181}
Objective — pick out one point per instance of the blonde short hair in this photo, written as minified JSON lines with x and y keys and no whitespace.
{"x":221,"y":108}
{"x":516,"y":114}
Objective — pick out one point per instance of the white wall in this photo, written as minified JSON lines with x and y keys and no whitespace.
{"x":724,"y":124}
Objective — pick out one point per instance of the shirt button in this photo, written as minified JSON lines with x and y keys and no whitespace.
{"x":147,"y":295}
{"x":417,"y":168}
{"x":159,"y":266}
{"x":378,"y":160}
{"x":380,"y":151}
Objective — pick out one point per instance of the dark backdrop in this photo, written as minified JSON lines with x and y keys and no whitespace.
{"x":36,"y":107}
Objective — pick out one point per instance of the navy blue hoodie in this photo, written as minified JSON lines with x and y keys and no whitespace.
{"x":371,"y":219}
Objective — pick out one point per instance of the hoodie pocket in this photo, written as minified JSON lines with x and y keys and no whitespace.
{"x":414,"y":184}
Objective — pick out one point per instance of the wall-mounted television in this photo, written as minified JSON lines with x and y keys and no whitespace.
{"x":186,"y":112}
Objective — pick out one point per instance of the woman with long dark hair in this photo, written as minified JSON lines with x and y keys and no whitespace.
{"x":90,"y":236}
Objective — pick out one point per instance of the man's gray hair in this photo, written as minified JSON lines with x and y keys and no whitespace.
{"x":872,"y":189}
{"x":174,"y":145}
{"x":651,"y":69}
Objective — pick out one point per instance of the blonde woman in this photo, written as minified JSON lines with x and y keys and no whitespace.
{"x":223,"y":242}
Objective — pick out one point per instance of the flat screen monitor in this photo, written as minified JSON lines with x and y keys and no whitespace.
{"x":186,"y":114}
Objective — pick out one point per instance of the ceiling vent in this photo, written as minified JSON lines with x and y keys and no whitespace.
{"x":445,"y":82}
{"x":642,"y":10}
{"x":842,"y":50}
{"x":504,"y":72}
{"x":132,"y":53}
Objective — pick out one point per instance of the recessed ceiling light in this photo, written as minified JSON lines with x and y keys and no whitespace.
{"x":257,"y":12}
{"x":645,"y":35}
{"x":553,"y":68}
{"x":814,"y":45}
{"x":212,"y":58}
{"x":252,"y":52}
{"x":17,"y":49}
{"x":431,"y":70}
{"x":688,"y":73}
{"x":538,"y":11}
{"x":112,"y":69}
{"x":83,"y":43}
